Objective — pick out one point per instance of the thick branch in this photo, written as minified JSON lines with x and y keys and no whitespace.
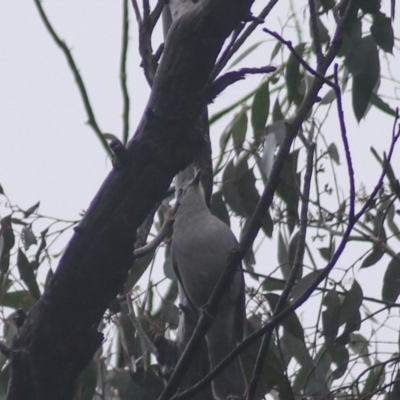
{"x":59,"y":336}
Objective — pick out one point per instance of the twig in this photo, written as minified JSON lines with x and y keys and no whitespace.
{"x":229,"y":78}
{"x":234,"y":46}
{"x":315,"y":31}
{"x":248,"y":238}
{"x":78,"y":78}
{"x":146,"y":27}
{"x":300,"y":59}
{"x":345,"y":144}
{"x":298,"y":262}
{"x":123,"y":77}
{"x":145,"y":342}
{"x":146,"y":9}
{"x":137,"y":11}
{"x":169,"y":219}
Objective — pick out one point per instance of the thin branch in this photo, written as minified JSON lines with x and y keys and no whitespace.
{"x":230,"y":78}
{"x":298,"y":262}
{"x":145,"y":343}
{"x":234,"y":46}
{"x":146,"y":8}
{"x":146,"y":27}
{"x":346,"y":145}
{"x":122,"y":75}
{"x":315,"y":32}
{"x":169,"y":220}
{"x":78,"y":78}
{"x":249,"y":236}
{"x":137,"y":11}
{"x":299,"y":58}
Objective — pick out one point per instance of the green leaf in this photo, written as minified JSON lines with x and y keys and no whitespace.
{"x":395,"y":389}
{"x":322,"y":31}
{"x":218,"y":208}
{"x":369,"y":6}
{"x":375,"y":378}
{"x":260,"y":108}
{"x":291,"y":323}
{"x":239,"y":129}
{"x":230,"y":178}
{"x":329,"y":97}
{"x":169,"y":313}
{"x":363,"y":63}
{"x":330,"y":317}
{"x":288,"y":188}
{"x":293,"y":75}
{"x":327,"y":4}
{"x":250,"y":197}
{"x":277,"y":112}
{"x":7,"y":241}
{"x":391,"y":280}
{"x":273,"y":372}
{"x":139,"y":266}
{"x":333,"y":153}
{"x":275,"y":50}
{"x":270,"y":284}
{"x":28,"y":237}
{"x":17,"y":299}
{"x":31,"y":209}
{"x":294,"y":240}
{"x":373,"y":257}
{"x":382,"y":32}
{"x":168,"y":267}
{"x":282,"y":249}
{"x":351,"y":35}
{"x":351,"y":303}
{"x":381,"y":105}
{"x":359,"y":345}
{"x":303,"y":285}
{"x":340,"y":356}
{"x":27,"y":275}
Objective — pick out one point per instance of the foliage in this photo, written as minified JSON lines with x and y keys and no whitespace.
{"x":341,"y":342}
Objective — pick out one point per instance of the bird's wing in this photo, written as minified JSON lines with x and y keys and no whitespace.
{"x":182,"y":288}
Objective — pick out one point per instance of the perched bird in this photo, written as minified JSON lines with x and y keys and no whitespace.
{"x":201,"y":244}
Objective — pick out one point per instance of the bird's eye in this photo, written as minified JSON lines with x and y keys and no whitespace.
{"x":180,"y":192}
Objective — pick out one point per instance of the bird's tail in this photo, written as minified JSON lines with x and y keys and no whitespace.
{"x":230,"y":382}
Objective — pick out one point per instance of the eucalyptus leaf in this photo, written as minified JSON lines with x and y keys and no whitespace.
{"x":351,"y":303}
{"x":260,"y":108}
{"x":292,"y":74}
{"x":382,"y":32}
{"x":139,"y":266}
{"x":363,"y":63}
{"x":27,"y":275}
{"x":31,"y":209}
{"x":391,"y":280}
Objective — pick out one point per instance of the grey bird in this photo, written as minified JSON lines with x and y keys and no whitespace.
{"x":201,"y":244}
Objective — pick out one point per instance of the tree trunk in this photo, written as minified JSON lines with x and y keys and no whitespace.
{"x":59,"y":336}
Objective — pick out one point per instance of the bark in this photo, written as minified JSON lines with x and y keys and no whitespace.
{"x":59,"y":336}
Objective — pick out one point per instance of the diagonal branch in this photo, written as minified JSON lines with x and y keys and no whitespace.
{"x":298,"y":262}
{"x":78,"y":78}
